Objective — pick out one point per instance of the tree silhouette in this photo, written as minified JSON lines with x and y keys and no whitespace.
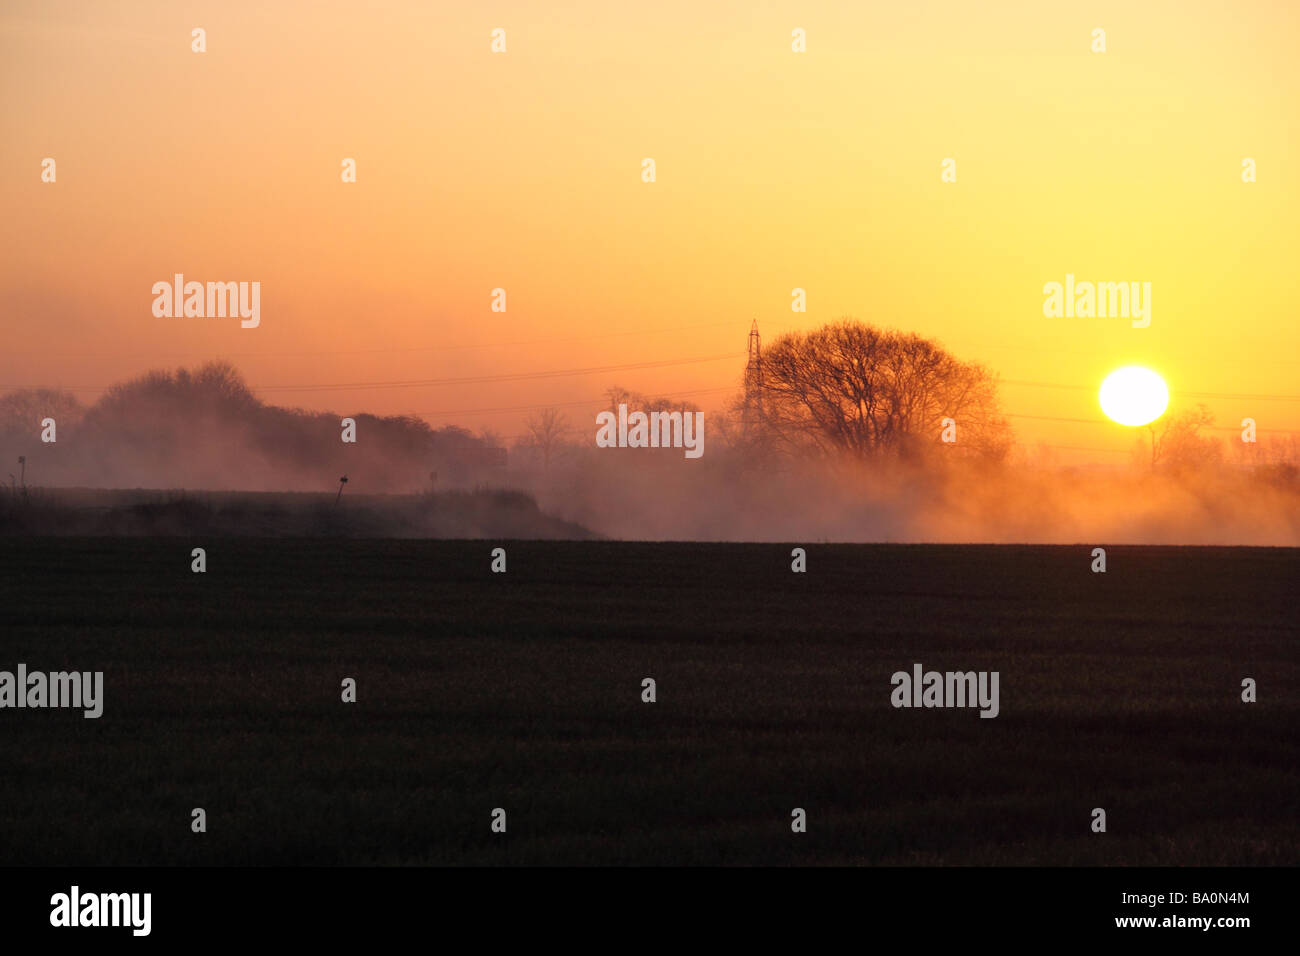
{"x":547,"y":431}
{"x":1178,"y":445}
{"x":851,"y":388}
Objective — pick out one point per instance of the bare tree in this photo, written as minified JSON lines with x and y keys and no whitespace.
{"x":617,"y":395}
{"x":489,"y":437}
{"x":547,"y":432}
{"x":18,"y":409}
{"x":1178,"y":445}
{"x":851,"y":388}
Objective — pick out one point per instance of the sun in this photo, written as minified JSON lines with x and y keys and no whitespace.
{"x":1133,"y":395}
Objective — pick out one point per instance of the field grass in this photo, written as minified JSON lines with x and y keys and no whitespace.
{"x":522,"y":691}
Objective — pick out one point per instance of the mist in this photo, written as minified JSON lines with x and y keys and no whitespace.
{"x":660,"y":498}
{"x":205,"y":431}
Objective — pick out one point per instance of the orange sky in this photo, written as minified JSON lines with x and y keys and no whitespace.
{"x":775,"y":170}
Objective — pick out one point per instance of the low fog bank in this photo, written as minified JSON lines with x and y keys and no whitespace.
{"x":635,"y":495}
{"x":663,"y":500}
{"x":204,"y":429}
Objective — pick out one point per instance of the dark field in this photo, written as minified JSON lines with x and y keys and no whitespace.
{"x":151,"y":513}
{"x":522,"y":690}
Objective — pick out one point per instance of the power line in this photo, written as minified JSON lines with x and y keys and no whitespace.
{"x":417,"y":383}
{"x":594,"y":401}
{"x":1012,"y":381}
{"x":1055,"y":418}
{"x":528,"y":376}
{"x":1230,"y":396}
{"x":1245,"y":398}
{"x":508,"y":377}
{"x":1102,"y":421}
{"x":1109,"y":451}
{"x":376,"y":351}
{"x":1052,"y":350}
{"x":525,"y":376}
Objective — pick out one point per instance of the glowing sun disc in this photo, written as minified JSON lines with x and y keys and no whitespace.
{"x":1133,"y":395}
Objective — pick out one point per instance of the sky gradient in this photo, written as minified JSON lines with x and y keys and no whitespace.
{"x":775,"y":170}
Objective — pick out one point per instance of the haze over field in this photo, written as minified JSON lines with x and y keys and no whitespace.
{"x":203,"y":429}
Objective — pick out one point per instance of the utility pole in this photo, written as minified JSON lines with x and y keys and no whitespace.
{"x":753,"y":417}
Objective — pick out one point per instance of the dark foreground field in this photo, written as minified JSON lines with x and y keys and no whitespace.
{"x":522,"y":691}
